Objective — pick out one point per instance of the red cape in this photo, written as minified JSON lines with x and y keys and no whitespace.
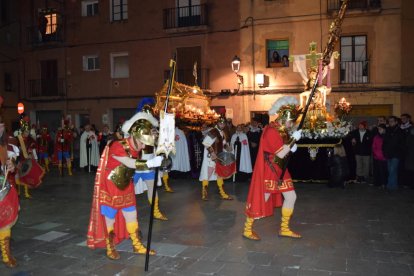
{"x":264,"y":180}
{"x":97,"y":232}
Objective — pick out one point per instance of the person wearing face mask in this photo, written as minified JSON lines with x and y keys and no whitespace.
{"x":266,"y":190}
{"x":113,"y":213}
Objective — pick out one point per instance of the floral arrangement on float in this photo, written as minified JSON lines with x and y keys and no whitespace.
{"x":322,"y":125}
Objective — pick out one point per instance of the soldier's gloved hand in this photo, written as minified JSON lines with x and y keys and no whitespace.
{"x":297,"y":134}
{"x":294,"y":148}
{"x":154,"y":162}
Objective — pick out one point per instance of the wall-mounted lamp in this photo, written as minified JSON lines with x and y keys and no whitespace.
{"x":262,"y":80}
{"x":235,"y":66}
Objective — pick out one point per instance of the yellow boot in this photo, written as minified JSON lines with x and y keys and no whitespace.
{"x":60,"y":169}
{"x":157,"y":212}
{"x":248,"y":230}
{"x":26,"y":192}
{"x":137,"y":246}
{"x":69,"y":169}
{"x":7,"y":258}
{"x":167,"y":187}
{"x":204,"y":188}
{"x":284,"y":225}
{"x":111,"y":252}
{"x":220,"y":184}
{"x":47,"y":165}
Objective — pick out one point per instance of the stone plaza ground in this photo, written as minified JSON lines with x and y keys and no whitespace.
{"x":357,"y":231}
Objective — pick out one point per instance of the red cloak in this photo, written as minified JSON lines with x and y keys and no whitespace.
{"x":266,"y":175}
{"x":106,"y":193}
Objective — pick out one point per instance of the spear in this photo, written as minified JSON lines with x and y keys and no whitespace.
{"x":154,"y":189}
{"x":334,"y":34}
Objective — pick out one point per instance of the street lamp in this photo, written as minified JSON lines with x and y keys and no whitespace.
{"x":235,"y":66}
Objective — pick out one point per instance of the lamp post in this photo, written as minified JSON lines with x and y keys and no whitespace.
{"x":235,"y":66}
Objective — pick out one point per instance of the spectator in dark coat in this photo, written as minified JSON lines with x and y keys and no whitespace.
{"x":409,"y":155}
{"x":253,"y":135}
{"x":379,"y":160}
{"x":362,"y":142}
{"x":393,"y":147}
{"x":338,"y":167}
{"x":404,"y":175}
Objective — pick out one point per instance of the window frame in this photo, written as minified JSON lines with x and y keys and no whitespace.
{"x":85,"y":63}
{"x":359,"y":66}
{"x":281,"y":52}
{"x":123,"y":14}
{"x":93,"y":3}
{"x":113,"y":56}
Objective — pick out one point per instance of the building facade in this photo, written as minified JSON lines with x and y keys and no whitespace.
{"x":91,"y":61}
{"x":372,"y":72}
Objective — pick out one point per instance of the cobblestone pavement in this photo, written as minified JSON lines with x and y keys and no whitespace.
{"x":357,"y":231}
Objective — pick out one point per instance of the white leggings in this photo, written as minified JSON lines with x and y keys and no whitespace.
{"x":290,"y":198}
{"x":129,"y":217}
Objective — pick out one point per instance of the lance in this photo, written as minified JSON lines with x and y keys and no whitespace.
{"x":334,"y":34}
{"x":154,"y":189}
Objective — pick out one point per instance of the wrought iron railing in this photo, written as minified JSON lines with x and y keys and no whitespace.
{"x":354,"y":72}
{"x":190,"y":16}
{"x":334,"y":5}
{"x":186,"y":76}
{"x":47,"y":88}
{"x":35,"y":37}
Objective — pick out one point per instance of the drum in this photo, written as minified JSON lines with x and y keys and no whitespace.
{"x":30,"y":173}
{"x":225,"y":164}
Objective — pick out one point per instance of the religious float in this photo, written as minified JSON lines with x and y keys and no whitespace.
{"x":321,"y":130}
{"x":190,"y":105}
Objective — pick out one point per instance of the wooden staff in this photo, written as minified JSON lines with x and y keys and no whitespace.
{"x":334,"y":34}
{"x":154,"y":189}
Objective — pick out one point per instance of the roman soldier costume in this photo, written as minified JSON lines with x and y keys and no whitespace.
{"x":9,"y":201}
{"x":43,"y":142}
{"x":113,"y":214}
{"x":30,"y":173}
{"x":266,"y":190}
{"x":64,"y":147}
{"x":215,"y":142}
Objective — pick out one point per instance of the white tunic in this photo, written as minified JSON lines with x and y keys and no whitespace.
{"x":181,"y":159}
{"x":245,"y":161}
{"x":94,"y":153}
{"x":208,"y":168}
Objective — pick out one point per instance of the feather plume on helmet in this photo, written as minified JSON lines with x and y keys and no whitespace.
{"x":140,"y":125}
{"x":286,"y":108}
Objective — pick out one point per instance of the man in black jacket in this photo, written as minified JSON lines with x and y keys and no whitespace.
{"x":393,"y":147}
{"x":362,"y":142}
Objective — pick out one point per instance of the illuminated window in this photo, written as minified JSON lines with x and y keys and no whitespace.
{"x":277,"y":53}
{"x":51,"y":23}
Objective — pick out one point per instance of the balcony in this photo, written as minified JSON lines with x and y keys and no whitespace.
{"x":193,"y":17}
{"x":185,"y":76}
{"x":354,"y":72}
{"x":35,"y":38}
{"x":47,"y":88}
{"x":334,"y":5}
